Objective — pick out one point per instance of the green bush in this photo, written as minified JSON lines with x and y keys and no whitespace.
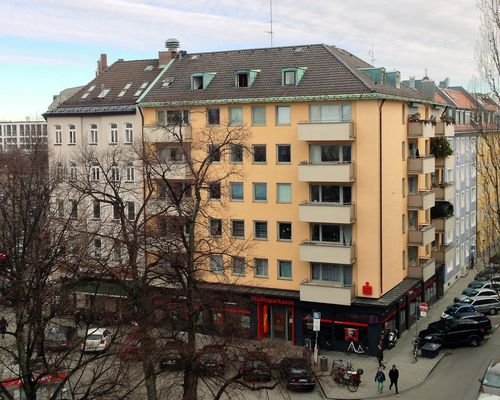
{"x":440,"y":147}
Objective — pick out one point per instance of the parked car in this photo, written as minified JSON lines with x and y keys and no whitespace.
{"x":97,"y":340}
{"x":172,"y":354}
{"x":131,"y":348}
{"x":457,"y":309}
{"x":60,"y":337}
{"x":483,"y":321}
{"x":452,"y":332}
{"x":297,"y":374}
{"x":490,"y":382}
{"x":485,"y":305}
{"x":256,"y":367}
{"x":470,"y":293}
{"x":487,"y":284}
{"x":211,"y":360}
{"x":492,"y":272}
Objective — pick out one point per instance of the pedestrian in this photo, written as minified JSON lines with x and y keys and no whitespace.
{"x":78,"y":317}
{"x":3,"y":326}
{"x":380,"y":379}
{"x":393,"y":377}
{"x":380,"y":355}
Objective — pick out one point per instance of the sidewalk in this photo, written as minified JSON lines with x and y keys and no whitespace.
{"x":411,"y":373}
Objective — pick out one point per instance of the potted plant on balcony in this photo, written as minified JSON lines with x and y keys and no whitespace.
{"x":440,"y":147}
{"x":442,"y":209}
{"x":416,"y":118}
{"x":447,"y":119}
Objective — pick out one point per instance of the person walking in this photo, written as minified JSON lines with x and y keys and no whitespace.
{"x":380,"y":379}
{"x":380,"y":355}
{"x":3,"y":326}
{"x":78,"y":317}
{"x":393,"y":377}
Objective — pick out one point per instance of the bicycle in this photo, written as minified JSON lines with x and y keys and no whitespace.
{"x":360,"y":349}
{"x":344,"y":374}
{"x":416,"y":343}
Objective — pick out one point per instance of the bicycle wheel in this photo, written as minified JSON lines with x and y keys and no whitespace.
{"x":364,"y":351}
{"x":352,"y":386}
{"x":349,"y":349}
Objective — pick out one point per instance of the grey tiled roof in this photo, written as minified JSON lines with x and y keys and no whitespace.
{"x":330,"y":72}
{"x":388,"y":298}
{"x":115,"y":78}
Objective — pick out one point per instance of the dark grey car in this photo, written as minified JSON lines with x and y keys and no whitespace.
{"x":486,"y":305}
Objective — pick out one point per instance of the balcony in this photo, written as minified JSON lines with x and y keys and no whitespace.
{"x":444,"y":254}
{"x":445,"y":191}
{"x":446,"y":163}
{"x":421,"y":129}
{"x":421,"y":165}
{"x":444,"y":224}
{"x":342,"y":172}
{"x":422,"y":200}
{"x":156,"y":134}
{"x":326,"y":252}
{"x":425,"y":269}
{"x":422,"y":236}
{"x":325,"y":292}
{"x":331,"y":213}
{"x":175,"y":170}
{"x":325,"y":131}
{"x":443,"y":129}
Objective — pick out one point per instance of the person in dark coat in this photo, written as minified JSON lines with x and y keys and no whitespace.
{"x":380,"y":355}
{"x":394,"y":376}
{"x":3,"y":326}
{"x":78,"y":317}
{"x":380,"y":379}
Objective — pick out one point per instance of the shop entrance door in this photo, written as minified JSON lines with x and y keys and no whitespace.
{"x":281,"y":322}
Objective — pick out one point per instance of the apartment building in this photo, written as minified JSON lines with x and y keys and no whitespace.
{"x":335,"y":195}
{"x":22,"y":134}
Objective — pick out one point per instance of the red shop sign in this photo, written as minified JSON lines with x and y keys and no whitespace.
{"x":269,"y":300}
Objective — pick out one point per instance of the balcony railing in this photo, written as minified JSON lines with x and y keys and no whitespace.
{"x":422,"y":236}
{"x":325,"y":131}
{"x":332,"y":213}
{"x":326,"y":172}
{"x":157,"y":134}
{"x":443,"y":129}
{"x":444,"y":254}
{"x":326,"y":292}
{"x":445,"y":191}
{"x":444,"y":224}
{"x":421,"y":200}
{"x":421,"y":129}
{"x":327,"y":252}
{"x":425,"y":269}
{"x":446,"y":163}
{"x":421,"y":165}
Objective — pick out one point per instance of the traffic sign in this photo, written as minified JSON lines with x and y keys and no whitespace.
{"x":316,"y":321}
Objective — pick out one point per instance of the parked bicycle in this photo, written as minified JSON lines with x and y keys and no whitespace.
{"x":358,"y":349}
{"x":343,"y":374}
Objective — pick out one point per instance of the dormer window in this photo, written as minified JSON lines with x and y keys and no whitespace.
{"x":245,"y":78}
{"x":292,"y":76}
{"x":200,"y":81}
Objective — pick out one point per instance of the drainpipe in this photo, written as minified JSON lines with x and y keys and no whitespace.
{"x":380,"y":191}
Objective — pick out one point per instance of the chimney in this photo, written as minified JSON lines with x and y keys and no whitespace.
{"x":102,"y":64}
{"x":164,"y":57}
{"x":445,"y":83}
{"x":411,"y":83}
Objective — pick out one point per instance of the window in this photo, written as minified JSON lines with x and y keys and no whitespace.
{"x":473,"y":218}
{"x":130,"y":210}
{"x":238,"y":228}
{"x":283,"y":115}
{"x":341,"y":274}
{"x":72,"y":134}
{"x":331,"y":233}
{"x":214,"y":153}
{"x":259,"y":153}
{"x":330,"y":153}
{"x":96,"y":209}
{"x":215,"y":227}
{"x":260,"y":191}
{"x":260,"y":229}
{"x":73,"y":174}
{"x":242,"y":79}
{"x":284,"y":231}
{"x":236,"y":155}
{"x":289,"y":77}
{"x":261,"y":267}
{"x":59,"y":170}
{"x":238,"y":266}
{"x":330,"y":113}
{"x":95,"y":172}
{"x":113,"y":134}
{"x":116,"y":212}
{"x":214,"y":190}
{"x":331,"y":194}
{"x":284,"y":269}
{"x":235,"y":116}
{"x":174,"y":117}
{"x":283,"y":153}
{"x":473,"y":194}
{"x":58,"y":134}
{"x":403,"y":223}
{"x":117,"y":250}
{"x":403,"y":151}
{"x":213,"y":116}
{"x":284,"y":192}
{"x":73,"y":209}
{"x":258,"y":115}
{"x":129,"y":133}
{"x":462,"y":225}
{"x":462,"y":199}
{"x":115,"y":173}
{"x":93,"y":138}
{"x":200,"y":81}
{"x":97,"y":247}
{"x":216,"y":265}
{"x":60,"y":208}
{"x":403,"y":187}
{"x":236,"y":189}
{"x":130,"y":172}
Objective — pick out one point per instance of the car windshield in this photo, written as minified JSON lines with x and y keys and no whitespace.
{"x":94,"y":337}
{"x":492,"y":377}
{"x":476,"y":285}
{"x":297,"y":370}
{"x":453,"y":308}
{"x":56,"y":336}
{"x":470,"y":292}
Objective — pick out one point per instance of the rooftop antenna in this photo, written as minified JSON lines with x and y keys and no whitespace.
{"x":271,"y":21}
{"x":371,"y":53}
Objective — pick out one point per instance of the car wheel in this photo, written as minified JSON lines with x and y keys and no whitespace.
{"x":473,"y":341}
{"x":493,"y":311}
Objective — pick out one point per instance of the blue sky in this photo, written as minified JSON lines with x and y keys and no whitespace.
{"x":47,"y":46}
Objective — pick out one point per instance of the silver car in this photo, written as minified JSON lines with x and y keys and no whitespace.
{"x":473,"y":293}
{"x":490,"y":383}
{"x":486,"y":305}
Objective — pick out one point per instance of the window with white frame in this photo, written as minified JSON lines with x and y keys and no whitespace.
{"x":130,"y":172}
{"x":216,"y":264}
{"x":238,"y":228}
{"x":97,"y":247}
{"x":113,"y":133}
{"x":236,"y":191}
{"x":467,"y":200}
{"x":462,"y":225}
{"x":284,"y":269}
{"x":473,"y":218}
{"x":95,"y":172}
{"x":260,"y":230}
{"x":285,"y":231}
{"x":73,"y":172}
{"x":93,"y":134}
{"x":319,"y":153}
{"x":57,"y":134}
{"x":462,"y":199}
{"x":261,"y":266}
{"x":96,"y":214}
{"x":236,"y":116}
{"x":129,"y":133}
{"x":72,"y":134}
{"x":337,"y":273}
{"x":283,"y":153}
{"x":473,"y":194}
{"x":130,"y":210}
{"x":283,"y":115}
{"x":330,"y":113}
{"x":284,"y":192}
{"x":467,"y":221}
{"x":60,"y":208}
{"x":215,"y":227}
{"x":457,"y":256}
{"x":239,"y":266}
{"x":73,"y":213}
{"x":457,"y":228}
{"x":114,"y":173}
{"x":59,"y":170}
{"x":236,"y":153}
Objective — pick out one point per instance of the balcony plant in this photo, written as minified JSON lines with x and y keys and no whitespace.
{"x":447,"y":119}
{"x":442,"y":209}
{"x":440,"y":147}
{"x":416,"y":118}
